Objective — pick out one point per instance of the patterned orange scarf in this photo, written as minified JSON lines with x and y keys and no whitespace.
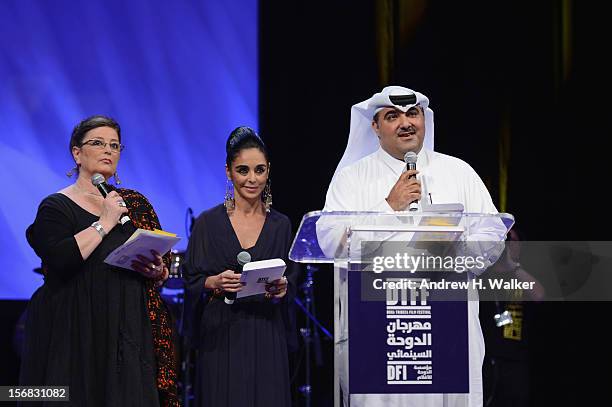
{"x":144,"y":217}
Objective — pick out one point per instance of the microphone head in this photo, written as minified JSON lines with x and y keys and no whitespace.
{"x":97,"y":179}
{"x":410,"y":157}
{"x":243,"y":258}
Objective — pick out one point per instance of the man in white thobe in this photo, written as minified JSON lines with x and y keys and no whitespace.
{"x":372,"y":176}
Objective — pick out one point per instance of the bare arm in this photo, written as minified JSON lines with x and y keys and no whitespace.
{"x":89,"y":238}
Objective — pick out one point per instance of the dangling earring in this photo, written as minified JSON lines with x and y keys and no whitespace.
{"x":117,"y":180}
{"x":73,"y":171}
{"x":229,"y":201}
{"x":267,"y":195}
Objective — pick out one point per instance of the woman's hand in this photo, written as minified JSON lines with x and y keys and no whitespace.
{"x":277,"y":288}
{"x":113,"y":207}
{"x":227,"y":281}
{"x":164,"y":277}
{"x":151,"y":268}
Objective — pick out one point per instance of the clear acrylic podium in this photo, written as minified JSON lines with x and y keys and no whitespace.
{"x":342,"y":239}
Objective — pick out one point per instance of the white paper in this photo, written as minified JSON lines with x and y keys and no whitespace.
{"x":447,"y":207}
{"x":140,"y":243}
{"x":256,"y":274}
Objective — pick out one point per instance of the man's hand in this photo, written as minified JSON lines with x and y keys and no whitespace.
{"x":404,"y":191}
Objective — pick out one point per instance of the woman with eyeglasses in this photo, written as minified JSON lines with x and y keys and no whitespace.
{"x":101,"y":330}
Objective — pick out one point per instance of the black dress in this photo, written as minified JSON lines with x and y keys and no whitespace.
{"x":99,"y":329}
{"x":242,"y":348}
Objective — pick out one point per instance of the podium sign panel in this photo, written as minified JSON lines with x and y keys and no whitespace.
{"x":406,"y":342}
{"x":397,"y":339}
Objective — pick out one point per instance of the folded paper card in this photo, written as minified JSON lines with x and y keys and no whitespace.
{"x":256,"y":274}
{"x":141,"y":243}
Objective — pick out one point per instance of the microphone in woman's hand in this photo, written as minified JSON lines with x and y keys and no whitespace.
{"x":243,"y":258}
{"x":99,"y":182}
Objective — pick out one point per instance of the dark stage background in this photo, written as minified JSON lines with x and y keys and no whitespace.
{"x":513,"y":86}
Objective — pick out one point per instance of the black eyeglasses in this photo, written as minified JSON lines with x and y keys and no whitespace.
{"x":99,"y":144}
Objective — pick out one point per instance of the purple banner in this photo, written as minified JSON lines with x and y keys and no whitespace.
{"x":409,"y":340}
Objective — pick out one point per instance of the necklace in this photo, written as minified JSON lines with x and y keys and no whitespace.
{"x":86,"y":192}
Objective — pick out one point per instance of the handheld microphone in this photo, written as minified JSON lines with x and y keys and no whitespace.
{"x":99,"y":182}
{"x":243,"y":258}
{"x":410,"y":158}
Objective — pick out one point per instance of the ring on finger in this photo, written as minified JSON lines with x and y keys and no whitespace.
{"x":122,"y":204}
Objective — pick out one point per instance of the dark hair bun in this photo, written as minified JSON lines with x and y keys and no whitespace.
{"x":242,"y":138}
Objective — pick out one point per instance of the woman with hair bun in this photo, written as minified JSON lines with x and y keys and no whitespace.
{"x":242,"y":347}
